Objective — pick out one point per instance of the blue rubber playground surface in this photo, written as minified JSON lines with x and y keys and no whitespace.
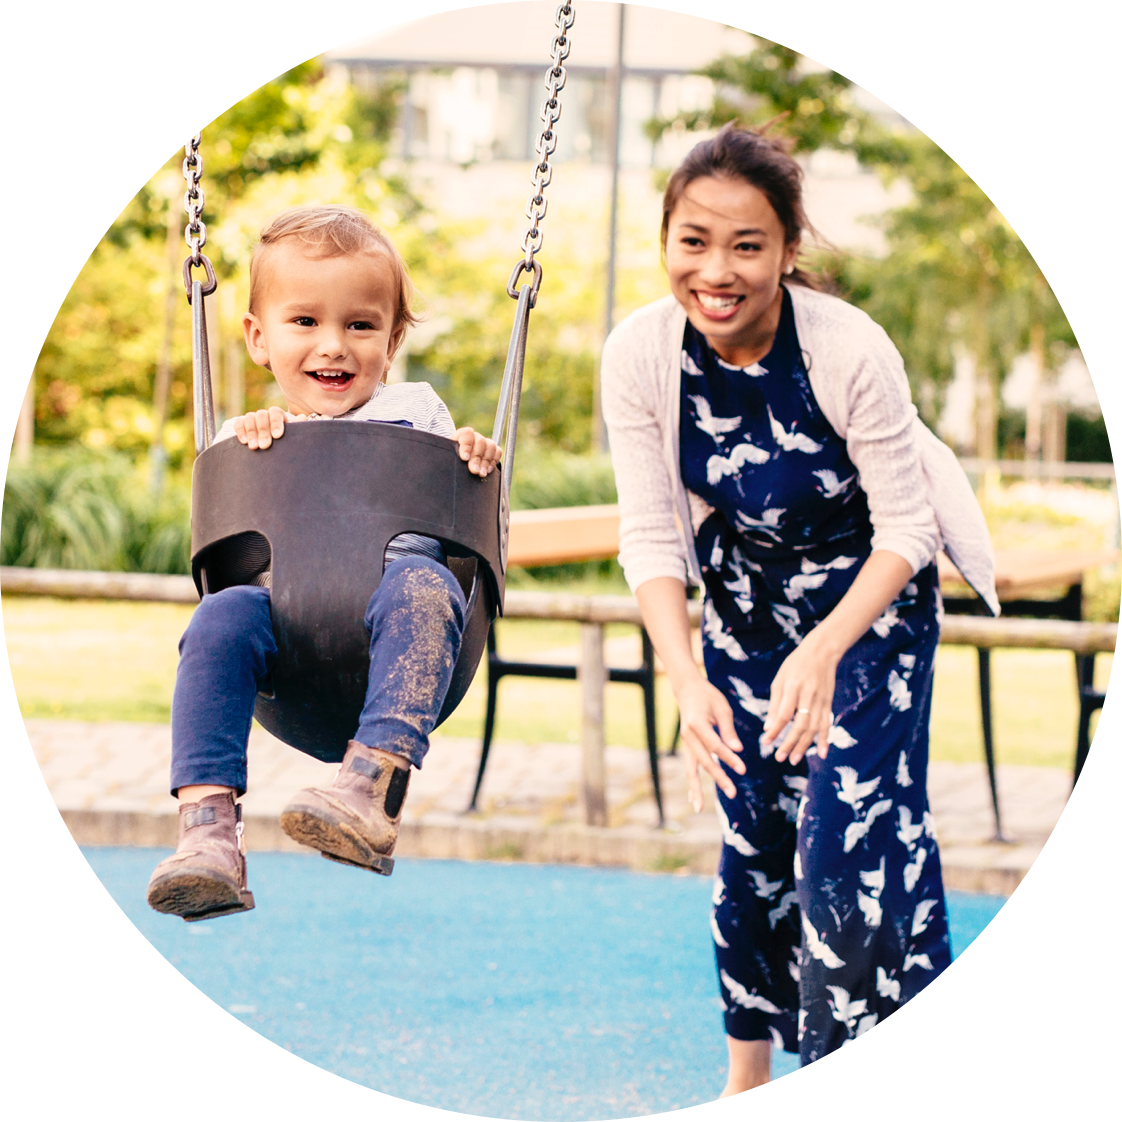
{"x":514,"y":991}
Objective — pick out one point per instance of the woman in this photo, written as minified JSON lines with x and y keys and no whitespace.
{"x":766,"y":447}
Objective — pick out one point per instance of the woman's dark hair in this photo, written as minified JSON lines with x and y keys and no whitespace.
{"x":762,"y":161}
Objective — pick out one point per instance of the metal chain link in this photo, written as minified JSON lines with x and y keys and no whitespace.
{"x":193,"y":202}
{"x":545,"y":146}
{"x":194,"y":199}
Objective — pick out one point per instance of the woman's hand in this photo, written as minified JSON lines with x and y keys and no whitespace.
{"x":803,"y":690}
{"x":803,"y":693}
{"x":708,"y":736}
{"x":707,"y":729}
{"x":481,"y":453}
{"x":259,"y":429}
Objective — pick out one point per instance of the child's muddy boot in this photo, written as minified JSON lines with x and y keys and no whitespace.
{"x":205,"y":876}
{"x":355,"y":820}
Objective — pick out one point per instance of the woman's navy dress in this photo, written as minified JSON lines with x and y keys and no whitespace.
{"x":828,"y":904}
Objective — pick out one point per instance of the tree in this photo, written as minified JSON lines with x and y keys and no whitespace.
{"x":956,"y":278}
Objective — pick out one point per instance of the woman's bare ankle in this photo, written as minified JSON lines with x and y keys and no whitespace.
{"x":200,"y":791}
{"x":749,"y":1065}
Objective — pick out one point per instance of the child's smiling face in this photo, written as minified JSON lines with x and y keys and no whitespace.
{"x":324,"y":326}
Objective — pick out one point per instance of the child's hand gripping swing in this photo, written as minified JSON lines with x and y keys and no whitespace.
{"x":291,"y":536}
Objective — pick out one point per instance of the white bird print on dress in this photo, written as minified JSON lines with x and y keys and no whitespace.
{"x":796,"y":783}
{"x":776,"y":1037}
{"x":908,"y":833}
{"x":721,"y":639}
{"x":803,"y":802}
{"x":769,"y":524}
{"x":717,"y":555}
{"x":920,"y":960}
{"x":853,"y":792}
{"x":929,"y":825}
{"x":855,"y":831}
{"x":831,"y":488}
{"x":801,"y":583}
{"x":870,"y":909}
{"x":922,"y":918}
{"x":731,"y":837}
{"x":741,"y":586}
{"x":802,"y":1023}
{"x":742,"y":997}
{"x":907,"y":661}
{"x":886,"y":986}
{"x":818,"y":947}
{"x":691,"y":367}
{"x":788,"y":619}
{"x":792,"y":441}
{"x":753,"y":371}
{"x":798,"y":867}
{"x":899,"y":696}
{"x":788,"y":805}
{"x":886,"y":622}
{"x":845,"y":1010}
{"x":794,"y":971}
{"x":809,"y":566}
{"x":903,"y":776}
{"x":865,"y":1024}
{"x":718,"y":891}
{"x":765,"y":889}
{"x":839,"y":738}
{"x":873,"y":879}
{"x":786,"y":901}
{"x":749,"y":702}
{"x":717,"y":467}
{"x":913,"y":869}
{"x":716,"y":427}
{"x":718,"y":938}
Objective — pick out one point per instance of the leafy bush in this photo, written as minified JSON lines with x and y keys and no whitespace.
{"x":73,"y":509}
{"x":546,"y":478}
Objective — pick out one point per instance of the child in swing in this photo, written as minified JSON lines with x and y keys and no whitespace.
{"x":328,"y":310}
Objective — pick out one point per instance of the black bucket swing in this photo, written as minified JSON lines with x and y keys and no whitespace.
{"x":312,"y":515}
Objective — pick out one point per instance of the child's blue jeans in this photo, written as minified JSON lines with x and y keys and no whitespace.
{"x":228,"y":648}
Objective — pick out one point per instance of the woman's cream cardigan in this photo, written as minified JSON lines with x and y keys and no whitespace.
{"x":919,"y":497}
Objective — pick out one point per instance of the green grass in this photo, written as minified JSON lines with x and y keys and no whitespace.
{"x":102,"y":660}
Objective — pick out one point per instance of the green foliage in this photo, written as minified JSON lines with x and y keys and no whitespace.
{"x":955,"y":275}
{"x":73,"y":509}
{"x":306,"y":136}
{"x":545,"y":478}
{"x":463,"y":352}
{"x":956,"y":278}
{"x":816,"y":107}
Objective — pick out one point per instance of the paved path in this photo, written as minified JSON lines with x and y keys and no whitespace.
{"x":110,"y":782}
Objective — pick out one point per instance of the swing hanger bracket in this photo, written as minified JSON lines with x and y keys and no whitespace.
{"x":534,"y":268}
{"x":203,"y":262}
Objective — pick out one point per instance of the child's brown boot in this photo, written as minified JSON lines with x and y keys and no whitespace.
{"x":205,"y":876}
{"x":355,"y":820}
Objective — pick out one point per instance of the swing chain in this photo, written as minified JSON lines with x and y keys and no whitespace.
{"x":193,"y":202}
{"x":545,"y":146}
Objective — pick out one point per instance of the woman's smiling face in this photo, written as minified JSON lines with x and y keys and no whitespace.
{"x":726,"y":252}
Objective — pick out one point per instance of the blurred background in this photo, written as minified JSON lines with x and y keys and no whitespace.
{"x":430,"y":128}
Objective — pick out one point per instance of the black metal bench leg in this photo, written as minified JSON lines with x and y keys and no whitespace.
{"x":649,"y":714}
{"x":1089,"y":701}
{"x":987,"y":734}
{"x":673,"y":749}
{"x":489,"y":721}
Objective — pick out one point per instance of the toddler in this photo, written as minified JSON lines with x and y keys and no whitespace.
{"x":329,"y":306}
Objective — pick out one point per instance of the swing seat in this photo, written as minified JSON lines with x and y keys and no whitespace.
{"x":315,"y":511}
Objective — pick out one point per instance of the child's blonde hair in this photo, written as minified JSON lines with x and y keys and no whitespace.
{"x":330,"y":231}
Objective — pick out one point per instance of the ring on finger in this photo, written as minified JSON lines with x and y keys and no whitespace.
{"x":804,"y":712}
